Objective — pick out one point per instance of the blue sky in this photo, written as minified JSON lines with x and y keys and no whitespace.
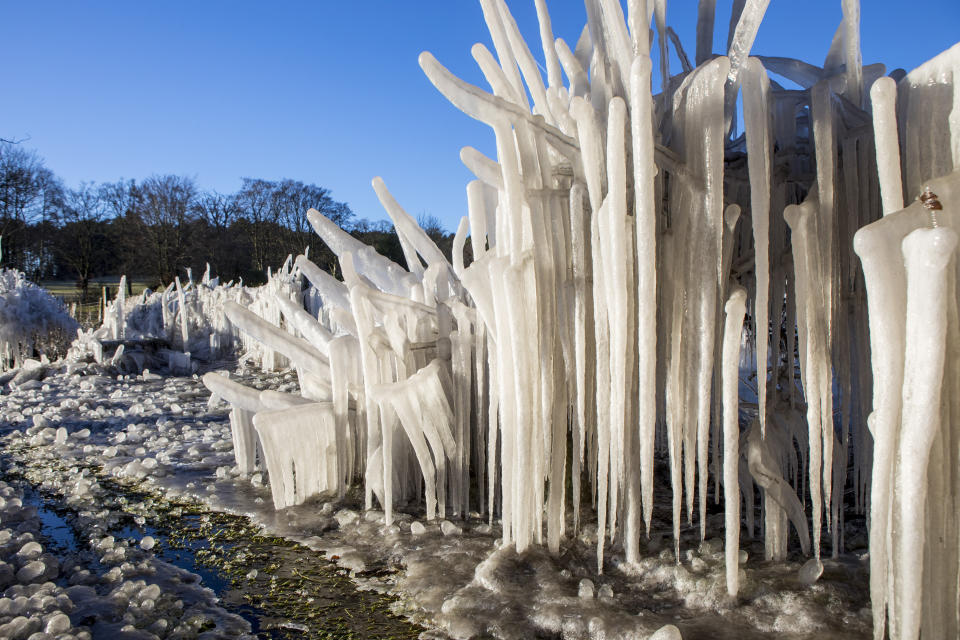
{"x":325,"y":92}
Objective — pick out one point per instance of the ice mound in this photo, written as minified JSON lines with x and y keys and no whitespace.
{"x":32,"y":322}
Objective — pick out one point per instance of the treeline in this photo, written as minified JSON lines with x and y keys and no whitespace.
{"x":158,"y":227}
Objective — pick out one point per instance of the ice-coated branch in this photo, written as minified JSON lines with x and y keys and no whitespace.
{"x":883,"y":95}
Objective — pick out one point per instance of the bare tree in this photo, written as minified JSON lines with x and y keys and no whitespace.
{"x":120,"y":198}
{"x":165,"y":207}
{"x":216,"y":209}
{"x":217,"y":215}
{"x":259,"y":219}
{"x":274,"y":215}
{"x":81,"y":241}
{"x":24,"y":185}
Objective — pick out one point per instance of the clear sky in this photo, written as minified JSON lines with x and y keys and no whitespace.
{"x":327,"y":92}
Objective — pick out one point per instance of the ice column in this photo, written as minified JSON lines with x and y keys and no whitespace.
{"x":733,"y":327}
{"x":244,"y":402}
{"x":927,"y":253}
{"x":644,"y":172}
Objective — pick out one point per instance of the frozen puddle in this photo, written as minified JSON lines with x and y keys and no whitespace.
{"x":278,"y":588}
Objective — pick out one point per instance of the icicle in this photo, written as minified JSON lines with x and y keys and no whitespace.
{"x":704,"y":105}
{"x":184,"y":321}
{"x":602,"y":374}
{"x":308,"y":326}
{"x":582,"y":309}
{"x":546,"y":40}
{"x":502,"y":46}
{"x":299,"y":446}
{"x":639,"y":13}
{"x":332,"y":291}
{"x":121,"y":303}
{"x":740,"y":46}
{"x":735,"y":12}
{"x":756,"y":115}
{"x":411,"y":235}
{"x":385,"y":274}
{"x":851,"y":51}
{"x":824,"y":224}
{"x":613,"y":246}
{"x":812,"y":348}
{"x":766,"y":472}
{"x":571,"y":66}
{"x":244,"y":403}
{"x":644,"y":172}
{"x":674,"y":402}
{"x":297,"y":349}
{"x":735,"y":309}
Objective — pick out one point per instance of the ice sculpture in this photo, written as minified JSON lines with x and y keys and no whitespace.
{"x":599,"y":320}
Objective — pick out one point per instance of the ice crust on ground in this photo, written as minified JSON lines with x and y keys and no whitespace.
{"x":454,"y":575}
{"x":108,"y":589}
{"x":587,"y":345}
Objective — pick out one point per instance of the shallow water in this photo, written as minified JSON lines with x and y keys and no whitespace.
{"x":294,"y":593}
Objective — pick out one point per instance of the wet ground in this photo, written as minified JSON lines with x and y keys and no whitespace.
{"x":283,"y":589}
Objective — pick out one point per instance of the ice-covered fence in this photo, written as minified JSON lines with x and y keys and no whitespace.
{"x":603,"y":218}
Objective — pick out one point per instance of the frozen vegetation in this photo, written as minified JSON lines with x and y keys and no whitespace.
{"x":683,"y":369}
{"x":183,"y":327}
{"x":33,"y":324}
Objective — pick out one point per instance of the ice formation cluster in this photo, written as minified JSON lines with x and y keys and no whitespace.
{"x":183,"y":326}
{"x":32,"y":322}
{"x":634,"y":256}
